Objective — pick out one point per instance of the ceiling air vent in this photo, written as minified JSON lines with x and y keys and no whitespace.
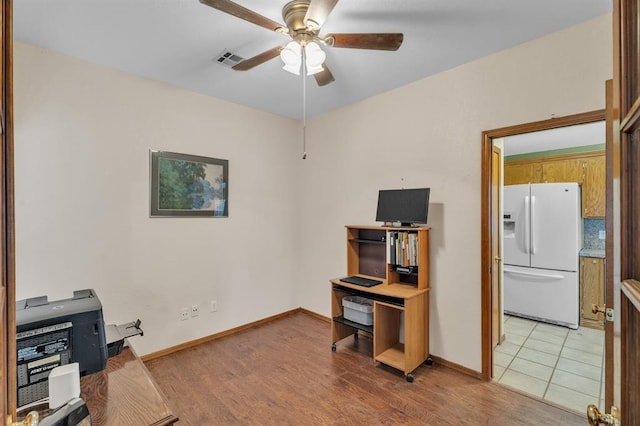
{"x":228,"y":58}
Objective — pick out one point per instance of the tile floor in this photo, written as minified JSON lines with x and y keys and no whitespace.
{"x":554,"y":363}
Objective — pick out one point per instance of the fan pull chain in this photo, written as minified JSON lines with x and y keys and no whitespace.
{"x":304,"y":105}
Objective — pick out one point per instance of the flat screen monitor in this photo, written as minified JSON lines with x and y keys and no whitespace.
{"x":407,"y":206}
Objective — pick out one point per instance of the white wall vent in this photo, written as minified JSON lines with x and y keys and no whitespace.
{"x":228,"y":58}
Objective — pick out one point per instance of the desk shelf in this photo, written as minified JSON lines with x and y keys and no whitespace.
{"x":361,"y":327}
{"x":369,"y":241}
{"x":394,"y":356}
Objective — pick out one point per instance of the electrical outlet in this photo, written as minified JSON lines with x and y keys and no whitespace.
{"x":194,"y":310}
{"x":213,"y":306}
{"x":184,"y":314}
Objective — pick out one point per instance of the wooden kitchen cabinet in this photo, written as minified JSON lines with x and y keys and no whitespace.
{"x":515,"y":174}
{"x":591,"y":291}
{"x":569,"y":170}
{"x":586,"y":169}
{"x":593,"y":190}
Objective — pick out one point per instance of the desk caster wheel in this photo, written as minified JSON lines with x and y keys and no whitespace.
{"x":333,"y":347}
{"x":429,"y":361}
{"x":410,"y":378}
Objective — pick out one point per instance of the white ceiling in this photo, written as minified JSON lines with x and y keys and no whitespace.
{"x":563,"y":137}
{"x":176,"y":41}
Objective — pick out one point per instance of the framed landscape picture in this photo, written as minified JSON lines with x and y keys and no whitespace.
{"x":188,"y":185}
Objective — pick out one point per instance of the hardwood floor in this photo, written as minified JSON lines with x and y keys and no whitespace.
{"x":284,"y":372}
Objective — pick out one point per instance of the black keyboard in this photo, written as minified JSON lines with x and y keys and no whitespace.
{"x":365,"y":282}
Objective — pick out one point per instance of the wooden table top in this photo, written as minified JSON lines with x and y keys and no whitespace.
{"x":124,"y":393}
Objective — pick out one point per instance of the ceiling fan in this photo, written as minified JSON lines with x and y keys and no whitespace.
{"x":304,"y":19}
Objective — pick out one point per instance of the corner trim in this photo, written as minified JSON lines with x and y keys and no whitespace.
{"x":196,"y":342}
{"x":457,"y":367}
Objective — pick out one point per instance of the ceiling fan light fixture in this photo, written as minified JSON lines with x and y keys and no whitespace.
{"x":315,"y":57}
{"x":293,"y":69}
{"x":291,"y":56}
{"x":314,"y":70}
{"x":314,"y":54}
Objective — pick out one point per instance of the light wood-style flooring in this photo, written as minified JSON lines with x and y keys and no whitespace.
{"x":284,"y":373}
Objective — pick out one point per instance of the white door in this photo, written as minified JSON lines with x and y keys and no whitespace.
{"x":516,"y":225}
{"x":555,"y":226}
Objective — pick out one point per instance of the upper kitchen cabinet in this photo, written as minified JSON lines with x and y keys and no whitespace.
{"x":541,"y":170}
{"x":593,"y":189}
{"x":563,"y":170}
{"x":518,"y":172}
{"x":586,"y":168}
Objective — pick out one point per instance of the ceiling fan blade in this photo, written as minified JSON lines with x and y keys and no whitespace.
{"x":318,"y":12}
{"x":238,"y":11}
{"x":261,"y":58}
{"x":376,"y":41}
{"x":324,"y":77}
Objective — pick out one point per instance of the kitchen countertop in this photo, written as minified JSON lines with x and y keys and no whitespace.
{"x":592,"y":253}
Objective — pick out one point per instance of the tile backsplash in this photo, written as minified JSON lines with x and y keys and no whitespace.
{"x":591,"y":234}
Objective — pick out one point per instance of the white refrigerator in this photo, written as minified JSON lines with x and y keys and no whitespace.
{"x":541,"y":244}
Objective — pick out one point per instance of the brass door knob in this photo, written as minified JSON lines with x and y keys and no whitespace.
{"x":598,"y":309}
{"x":32,"y":419}
{"x":498,"y":259}
{"x":596,"y":418}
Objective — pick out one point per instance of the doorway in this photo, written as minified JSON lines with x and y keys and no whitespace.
{"x":566,"y":364}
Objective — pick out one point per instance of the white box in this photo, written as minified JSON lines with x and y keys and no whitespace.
{"x":358,"y":309}
{"x":64,"y":384}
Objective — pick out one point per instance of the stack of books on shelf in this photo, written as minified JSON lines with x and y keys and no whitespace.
{"x":402,"y":248}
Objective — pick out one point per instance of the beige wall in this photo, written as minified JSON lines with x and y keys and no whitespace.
{"x":82,"y":138}
{"x":429,"y":134}
{"x":83,"y":135}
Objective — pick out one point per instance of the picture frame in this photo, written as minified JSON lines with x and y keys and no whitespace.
{"x":184,"y":185}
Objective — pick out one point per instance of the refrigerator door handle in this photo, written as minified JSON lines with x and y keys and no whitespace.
{"x":533,"y":224}
{"x":534,"y":274}
{"x":527,"y":221}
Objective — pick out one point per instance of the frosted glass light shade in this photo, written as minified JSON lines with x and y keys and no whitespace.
{"x":315,"y":55}
{"x":293,"y":69}
{"x":314,"y":58}
{"x":291,"y":56}
{"x":314,"y":70}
